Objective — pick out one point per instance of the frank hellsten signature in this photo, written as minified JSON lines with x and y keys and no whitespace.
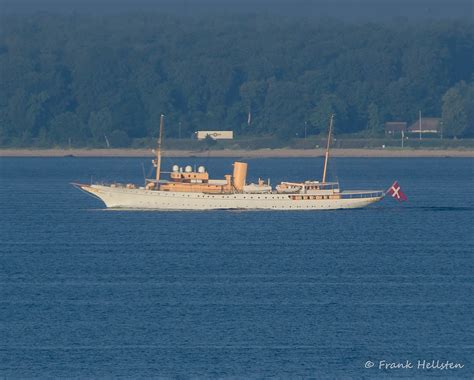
{"x":440,"y":365}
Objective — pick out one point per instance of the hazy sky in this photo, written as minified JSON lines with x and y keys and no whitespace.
{"x":368,"y":10}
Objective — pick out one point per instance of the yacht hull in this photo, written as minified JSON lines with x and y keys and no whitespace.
{"x":121,"y":197}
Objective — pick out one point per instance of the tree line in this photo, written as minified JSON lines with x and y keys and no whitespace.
{"x":86,"y":79}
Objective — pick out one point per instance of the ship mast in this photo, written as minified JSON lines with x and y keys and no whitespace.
{"x":326,"y":158}
{"x":158,"y":151}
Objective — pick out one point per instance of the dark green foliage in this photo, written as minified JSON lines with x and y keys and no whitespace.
{"x":85,"y":80}
{"x":210,"y":142}
{"x":458,"y":110}
{"x":119,"y":139}
{"x":374,"y":126}
{"x":67,"y":129}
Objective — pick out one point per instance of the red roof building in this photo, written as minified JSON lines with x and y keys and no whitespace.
{"x":428,"y":125}
{"x":393,"y":128}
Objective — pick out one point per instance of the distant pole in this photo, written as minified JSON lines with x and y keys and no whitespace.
{"x":419,"y":123}
{"x":441,"y":125}
{"x":179,"y":130}
{"x":403,"y":138}
{"x":305,"y":126}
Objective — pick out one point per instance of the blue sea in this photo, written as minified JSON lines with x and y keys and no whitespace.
{"x":93,"y":293}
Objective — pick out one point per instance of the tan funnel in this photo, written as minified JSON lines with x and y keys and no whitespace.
{"x":240,"y":175}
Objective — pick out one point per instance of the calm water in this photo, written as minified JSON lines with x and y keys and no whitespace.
{"x":87,"y":292}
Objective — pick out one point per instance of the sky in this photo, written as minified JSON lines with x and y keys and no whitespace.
{"x":365,"y":10}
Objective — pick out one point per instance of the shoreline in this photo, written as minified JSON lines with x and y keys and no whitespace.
{"x":259,"y":153}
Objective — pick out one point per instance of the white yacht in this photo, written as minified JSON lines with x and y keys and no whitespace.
{"x":193,"y":189}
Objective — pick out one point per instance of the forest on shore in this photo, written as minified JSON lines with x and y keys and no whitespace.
{"x":88,"y":80}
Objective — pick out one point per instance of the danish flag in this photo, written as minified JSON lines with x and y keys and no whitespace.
{"x":396,"y":192}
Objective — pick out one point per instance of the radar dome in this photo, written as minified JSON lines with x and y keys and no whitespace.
{"x":201,"y":169}
{"x":175,"y":168}
{"x":188,"y":169}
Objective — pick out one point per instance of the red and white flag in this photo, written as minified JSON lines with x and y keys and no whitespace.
{"x":396,"y":192}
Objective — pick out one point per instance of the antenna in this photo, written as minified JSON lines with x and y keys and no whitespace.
{"x":158,"y":150}
{"x":326,"y":158}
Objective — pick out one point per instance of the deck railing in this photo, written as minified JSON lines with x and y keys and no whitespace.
{"x":374,"y":194}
